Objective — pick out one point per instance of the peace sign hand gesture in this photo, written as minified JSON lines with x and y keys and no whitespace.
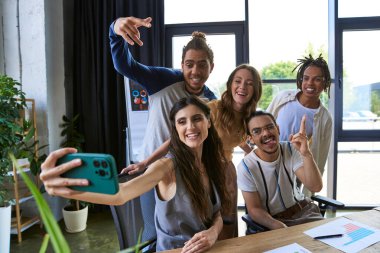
{"x":300,"y":140}
{"x":128,"y":28}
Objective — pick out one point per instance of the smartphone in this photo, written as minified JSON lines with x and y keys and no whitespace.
{"x":98,"y":169}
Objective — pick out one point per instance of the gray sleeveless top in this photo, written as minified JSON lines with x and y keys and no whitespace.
{"x":176,"y":220}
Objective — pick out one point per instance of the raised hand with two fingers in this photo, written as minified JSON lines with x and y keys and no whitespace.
{"x":128,"y":28}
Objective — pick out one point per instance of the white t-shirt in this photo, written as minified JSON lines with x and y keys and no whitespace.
{"x":289,"y":119}
{"x":158,"y":125}
{"x":281,"y":194}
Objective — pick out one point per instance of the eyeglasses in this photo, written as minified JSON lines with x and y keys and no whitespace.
{"x":315,"y":79}
{"x":258,"y":130}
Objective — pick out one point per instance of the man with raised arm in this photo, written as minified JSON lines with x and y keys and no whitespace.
{"x":165,"y":87}
{"x":267,"y":175}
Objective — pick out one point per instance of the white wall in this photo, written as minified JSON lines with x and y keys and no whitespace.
{"x":33,"y":59}
{"x":11,"y":56}
{"x":55,"y":72}
{"x":33,"y":55}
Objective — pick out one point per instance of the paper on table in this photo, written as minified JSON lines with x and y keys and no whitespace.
{"x":357,"y":236}
{"x":291,"y":248}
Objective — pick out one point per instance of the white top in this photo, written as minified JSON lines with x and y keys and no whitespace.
{"x":281,"y":194}
{"x":158,"y":125}
{"x":290,"y":116}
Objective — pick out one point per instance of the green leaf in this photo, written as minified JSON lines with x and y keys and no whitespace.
{"x":44,"y":243}
{"x":136,"y":248}
{"x":58,"y":240}
{"x":30,"y":134}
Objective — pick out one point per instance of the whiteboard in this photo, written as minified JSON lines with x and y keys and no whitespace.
{"x":137,"y":117}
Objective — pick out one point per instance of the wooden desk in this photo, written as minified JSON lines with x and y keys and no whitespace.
{"x":276,"y":238}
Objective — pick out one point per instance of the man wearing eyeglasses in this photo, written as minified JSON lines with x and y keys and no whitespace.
{"x":267,"y":176}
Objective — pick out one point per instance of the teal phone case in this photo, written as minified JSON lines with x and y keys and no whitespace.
{"x":99,"y":169}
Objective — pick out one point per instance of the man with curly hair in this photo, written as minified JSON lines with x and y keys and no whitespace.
{"x":289,"y":106}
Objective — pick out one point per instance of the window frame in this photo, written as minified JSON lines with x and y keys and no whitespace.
{"x":340,"y":135}
{"x":238,"y":28}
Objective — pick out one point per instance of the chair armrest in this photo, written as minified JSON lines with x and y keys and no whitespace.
{"x":327,"y":201}
{"x":252,"y":225}
{"x":126,"y":177}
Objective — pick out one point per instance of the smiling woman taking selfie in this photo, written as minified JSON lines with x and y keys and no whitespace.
{"x":189,"y":180}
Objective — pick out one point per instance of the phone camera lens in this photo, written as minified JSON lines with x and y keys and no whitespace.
{"x":96,"y":163}
{"x":104,"y":164}
{"x":102,"y":173}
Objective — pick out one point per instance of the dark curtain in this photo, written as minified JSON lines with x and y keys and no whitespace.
{"x":97,"y":89}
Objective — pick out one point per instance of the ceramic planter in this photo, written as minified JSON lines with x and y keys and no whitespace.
{"x":5,"y":228}
{"x":75,"y":221}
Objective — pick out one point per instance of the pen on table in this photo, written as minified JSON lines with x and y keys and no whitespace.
{"x":328,"y":236}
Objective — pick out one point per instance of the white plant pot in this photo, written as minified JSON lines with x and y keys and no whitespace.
{"x":75,"y":221}
{"x":5,"y":228}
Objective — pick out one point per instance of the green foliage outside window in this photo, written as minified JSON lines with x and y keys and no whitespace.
{"x":279,"y":70}
{"x":375,"y":102}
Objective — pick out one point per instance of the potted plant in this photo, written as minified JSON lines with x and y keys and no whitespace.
{"x":12,"y":101}
{"x":17,"y":136}
{"x":28,"y":147}
{"x":76,"y":212}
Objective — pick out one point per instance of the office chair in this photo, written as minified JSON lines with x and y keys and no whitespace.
{"x":324,"y":203}
{"x":129,"y":222}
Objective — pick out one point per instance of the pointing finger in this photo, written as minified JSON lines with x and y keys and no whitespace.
{"x":137,"y":22}
{"x":146,"y":22}
{"x":303,"y":125}
{"x":135,"y":33}
{"x":128,"y":28}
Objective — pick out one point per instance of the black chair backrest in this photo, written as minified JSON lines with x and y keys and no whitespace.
{"x":128,"y":219}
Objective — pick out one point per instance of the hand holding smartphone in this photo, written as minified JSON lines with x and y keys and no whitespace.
{"x":98,"y":169}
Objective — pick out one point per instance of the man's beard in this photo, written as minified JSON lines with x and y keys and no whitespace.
{"x":271,"y":152}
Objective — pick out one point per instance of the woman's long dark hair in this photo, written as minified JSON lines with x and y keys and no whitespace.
{"x":212,"y":158}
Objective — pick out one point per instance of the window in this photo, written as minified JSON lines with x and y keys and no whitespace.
{"x":361,"y":90}
{"x":201,"y":11}
{"x":357,"y":104}
{"x":226,"y":39}
{"x":354,"y":8}
{"x":357,"y":182}
{"x":278,"y":38}
{"x":223,"y":47}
